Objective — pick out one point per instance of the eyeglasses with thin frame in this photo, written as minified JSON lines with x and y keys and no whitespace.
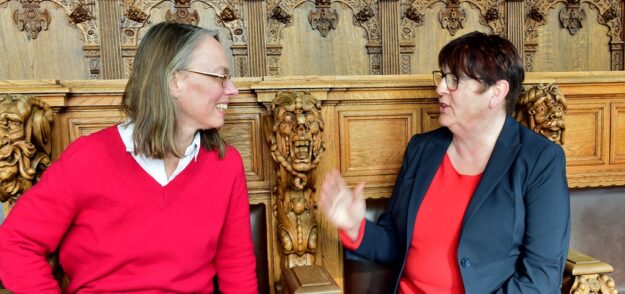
{"x":451,"y":80}
{"x":224,"y":78}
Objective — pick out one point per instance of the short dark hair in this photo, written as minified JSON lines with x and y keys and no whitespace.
{"x":486,"y":58}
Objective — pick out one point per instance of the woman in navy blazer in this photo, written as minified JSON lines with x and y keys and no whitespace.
{"x":513,"y":236}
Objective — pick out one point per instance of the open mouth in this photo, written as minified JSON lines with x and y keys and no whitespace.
{"x":301,"y":151}
{"x":222,"y":106}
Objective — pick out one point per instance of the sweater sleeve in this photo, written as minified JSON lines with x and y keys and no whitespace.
{"x":235,"y":261}
{"x":32,"y":231}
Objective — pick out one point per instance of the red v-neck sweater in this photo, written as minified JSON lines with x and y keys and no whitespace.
{"x":118,"y":230}
{"x":432,"y":263}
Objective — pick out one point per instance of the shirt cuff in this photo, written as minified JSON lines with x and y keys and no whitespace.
{"x":347,"y":242}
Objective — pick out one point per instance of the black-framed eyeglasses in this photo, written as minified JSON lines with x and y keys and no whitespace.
{"x":451,"y":80}
{"x":224,"y":78}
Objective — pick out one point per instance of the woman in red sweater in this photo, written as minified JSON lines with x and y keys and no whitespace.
{"x":480,"y":205}
{"x":157,"y":204}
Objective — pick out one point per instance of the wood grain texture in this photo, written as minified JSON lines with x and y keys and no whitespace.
{"x":368,"y":120}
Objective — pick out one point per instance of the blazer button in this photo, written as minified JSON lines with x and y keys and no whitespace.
{"x":465,"y":263}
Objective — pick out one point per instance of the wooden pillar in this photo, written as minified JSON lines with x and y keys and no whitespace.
{"x":256,"y":38}
{"x":389,"y":24}
{"x":516,"y":24}
{"x":110,"y":40}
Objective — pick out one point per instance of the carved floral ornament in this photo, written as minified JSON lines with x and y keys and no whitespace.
{"x":453,"y":16}
{"x":294,"y":135}
{"x":323,"y":18}
{"x":572,"y":16}
{"x":33,"y":19}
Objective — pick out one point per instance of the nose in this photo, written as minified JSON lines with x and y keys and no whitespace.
{"x":441,"y":89}
{"x":301,"y":125}
{"x":230,"y":89}
{"x":555,"y":114}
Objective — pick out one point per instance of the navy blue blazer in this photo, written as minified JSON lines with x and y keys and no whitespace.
{"x":516,"y":229}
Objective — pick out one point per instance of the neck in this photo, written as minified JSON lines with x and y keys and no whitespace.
{"x":477,"y":143}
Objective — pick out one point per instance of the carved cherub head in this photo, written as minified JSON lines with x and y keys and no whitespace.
{"x":542,"y":108}
{"x":24,"y":143}
{"x":295,"y":133}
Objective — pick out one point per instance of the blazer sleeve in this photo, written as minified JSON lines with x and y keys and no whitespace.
{"x":547,"y":227}
{"x":33,"y":230}
{"x":382,"y":241}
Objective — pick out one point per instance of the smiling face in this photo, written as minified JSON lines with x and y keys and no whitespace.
{"x":201,"y":100}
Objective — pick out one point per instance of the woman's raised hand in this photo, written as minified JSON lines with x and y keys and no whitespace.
{"x":342,"y":206}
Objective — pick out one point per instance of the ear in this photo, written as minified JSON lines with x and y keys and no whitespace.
{"x":175,"y":84}
{"x":500,"y":90}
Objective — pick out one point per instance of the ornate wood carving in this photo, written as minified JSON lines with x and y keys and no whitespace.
{"x":32,"y":19}
{"x":571,"y":18}
{"x":82,"y":12}
{"x":453,"y":17}
{"x":324,"y":18}
{"x":279,"y":16}
{"x":183,"y":13}
{"x":25,"y":147}
{"x":294,"y":135}
{"x":586,"y":275}
{"x":541,"y":108}
{"x":137,"y":16}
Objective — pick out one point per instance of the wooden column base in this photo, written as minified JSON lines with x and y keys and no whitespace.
{"x":584,"y":274}
{"x":308,"y":279}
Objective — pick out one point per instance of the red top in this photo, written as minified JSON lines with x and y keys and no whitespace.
{"x":432,"y":263}
{"x":121,"y":231}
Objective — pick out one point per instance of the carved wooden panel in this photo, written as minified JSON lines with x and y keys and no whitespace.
{"x":365,"y":135}
{"x":617,"y":144}
{"x":588,"y":145}
{"x":554,"y":50}
{"x":429,"y":36}
{"x":307,"y":52}
{"x":84,"y":122}
{"x":429,"y":119}
{"x":242,"y":129}
{"x":49,"y":56}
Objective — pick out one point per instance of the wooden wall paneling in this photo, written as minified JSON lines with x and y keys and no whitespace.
{"x":222,"y":16}
{"x":389,"y":24}
{"x":365,"y":132}
{"x":330,"y":253}
{"x":567,"y":25}
{"x":243,"y":129}
{"x":617,"y":136}
{"x":301,"y":40}
{"x":586,"y":137}
{"x":306,"y":51}
{"x":430,"y":36}
{"x":429,"y":116}
{"x":54,"y":52}
{"x":112,"y":66}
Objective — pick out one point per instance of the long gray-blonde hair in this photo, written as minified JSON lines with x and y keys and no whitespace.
{"x":165,"y":49}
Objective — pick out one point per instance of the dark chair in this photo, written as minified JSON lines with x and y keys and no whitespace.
{"x":362,"y":276}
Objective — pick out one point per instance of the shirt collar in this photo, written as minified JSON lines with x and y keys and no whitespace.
{"x":126,"y":130}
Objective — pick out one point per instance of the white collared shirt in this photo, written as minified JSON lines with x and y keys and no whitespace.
{"x":156,"y":167}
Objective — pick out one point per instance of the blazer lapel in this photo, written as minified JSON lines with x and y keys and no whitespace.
{"x":506,"y":148}
{"x":426,"y":168}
